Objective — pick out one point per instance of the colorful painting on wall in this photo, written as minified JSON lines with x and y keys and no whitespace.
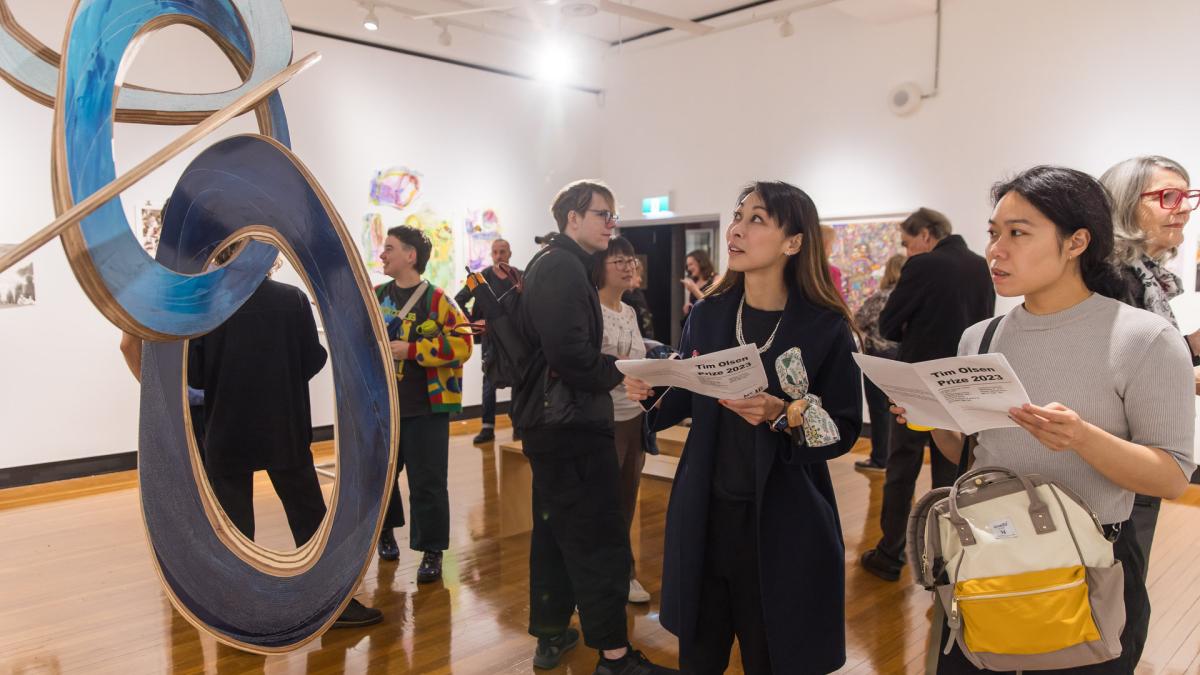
{"x":861,"y":251}
{"x":440,"y":270}
{"x":482,"y":228}
{"x":370,"y":242}
{"x":16,"y":283}
{"x":396,"y":187}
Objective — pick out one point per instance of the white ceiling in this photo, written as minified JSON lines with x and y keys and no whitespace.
{"x":601,"y":27}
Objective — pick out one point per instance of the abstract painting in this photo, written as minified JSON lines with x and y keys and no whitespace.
{"x":16,"y":284}
{"x":862,"y":249}
{"x":482,"y":227}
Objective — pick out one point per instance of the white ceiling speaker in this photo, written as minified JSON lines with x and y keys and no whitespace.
{"x":904,"y":99}
{"x":576,"y":10}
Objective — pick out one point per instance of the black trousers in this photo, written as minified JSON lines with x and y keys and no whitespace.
{"x":425,"y":453}
{"x":579,"y":549}
{"x":1137,"y":618}
{"x":1145,"y":518}
{"x":905,"y":457}
{"x":298,"y":490}
{"x":881,"y":422}
{"x":730,"y":595}
{"x":488,"y":414}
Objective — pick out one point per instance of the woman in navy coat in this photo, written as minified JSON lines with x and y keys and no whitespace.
{"x":753,"y":542}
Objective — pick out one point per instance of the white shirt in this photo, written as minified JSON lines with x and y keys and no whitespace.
{"x":621,"y":331}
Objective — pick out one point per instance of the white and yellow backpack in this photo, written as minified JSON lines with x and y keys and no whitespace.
{"x":1022,"y":569}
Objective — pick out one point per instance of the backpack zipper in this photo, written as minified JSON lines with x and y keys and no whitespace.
{"x":1014,"y":594}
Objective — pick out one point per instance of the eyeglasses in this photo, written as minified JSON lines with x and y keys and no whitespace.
{"x":622,"y":263}
{"x":1169,"y":198}
{"x":608,"y":216}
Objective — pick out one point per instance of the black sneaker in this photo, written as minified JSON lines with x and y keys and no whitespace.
{"x":550,"y":650}
{"x":485,"y":435}
{"x":633,"y":663}
{"x":873,"y":561}
{"x":431,"y":567}
{"x":357,"y":615}
{"x":868,"y":465}
{"x":388,"y":550}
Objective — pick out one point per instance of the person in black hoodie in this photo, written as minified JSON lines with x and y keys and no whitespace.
{"x":579,"y":549}
{"x":944,"y":288}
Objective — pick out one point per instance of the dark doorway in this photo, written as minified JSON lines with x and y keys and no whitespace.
{"x":653,"y":244}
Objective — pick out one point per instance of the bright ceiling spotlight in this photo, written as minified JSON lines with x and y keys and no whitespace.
{"x":445,"y":38}
{"x":785,"y":26}
{"x":371,"y":22}
{"x":555,"y":63}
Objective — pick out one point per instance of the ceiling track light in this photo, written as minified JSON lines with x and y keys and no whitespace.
{"x":371,"y":21}
{"x":445,"y":38}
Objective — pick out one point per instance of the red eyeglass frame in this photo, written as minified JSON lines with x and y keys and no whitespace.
{"x":1162,"y":202}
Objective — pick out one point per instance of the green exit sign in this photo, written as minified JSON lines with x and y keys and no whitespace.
{"x":657,"y":207}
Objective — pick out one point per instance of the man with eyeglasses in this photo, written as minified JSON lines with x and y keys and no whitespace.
{"x":579,"y":549}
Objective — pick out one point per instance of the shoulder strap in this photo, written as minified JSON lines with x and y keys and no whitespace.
{"x":417,"y":294}
{"x":968,"y":450}
{"x":986,"y":343}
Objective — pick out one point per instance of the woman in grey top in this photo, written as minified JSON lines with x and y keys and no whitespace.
{"x":1121,"y":420}
{"x":1152,"y":203}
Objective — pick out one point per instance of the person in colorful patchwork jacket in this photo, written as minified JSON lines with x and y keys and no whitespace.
{"x":430,"y":343}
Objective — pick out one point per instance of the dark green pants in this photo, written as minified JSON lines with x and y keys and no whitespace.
{"x":425,"y":453}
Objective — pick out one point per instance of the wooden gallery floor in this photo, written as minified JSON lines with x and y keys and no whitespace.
{"x":78,"y":595}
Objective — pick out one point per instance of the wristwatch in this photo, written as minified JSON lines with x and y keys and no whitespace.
{"x":792,"y":416}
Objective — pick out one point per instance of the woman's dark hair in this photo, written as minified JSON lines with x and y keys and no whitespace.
{"x":1073,"y":201}
{"x":808,"y":270}
{"x":616,"y":246}
{"x":704,"y":262}
{"x":417,"y":239}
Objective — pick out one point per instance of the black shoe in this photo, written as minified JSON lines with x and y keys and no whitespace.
{"x":485,"y":435}
{"x":874,"y":562}
{"x":388,"y":550}
{"x":550,"y":650}
{"x":868,"y":465}
{"x":633,"y":663}
{"x":516,"y":434}
{"x":431,"y":567}
{"x":357,"y":615}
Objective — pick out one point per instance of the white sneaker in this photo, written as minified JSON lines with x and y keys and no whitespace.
{"x":637,"y":593}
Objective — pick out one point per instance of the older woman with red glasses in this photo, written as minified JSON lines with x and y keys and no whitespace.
{"x":1151,"y":204}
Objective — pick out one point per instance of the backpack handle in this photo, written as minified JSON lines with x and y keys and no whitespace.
{"x":1039,"y":511}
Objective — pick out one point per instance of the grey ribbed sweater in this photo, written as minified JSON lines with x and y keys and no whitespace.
{"x":1123,"y":369}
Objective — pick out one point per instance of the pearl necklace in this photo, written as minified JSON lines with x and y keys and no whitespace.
{"x":738,"y":328}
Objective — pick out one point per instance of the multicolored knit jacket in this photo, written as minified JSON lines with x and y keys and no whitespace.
{"x":436,"y":346}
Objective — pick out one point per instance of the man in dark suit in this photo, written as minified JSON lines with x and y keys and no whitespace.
{"x":254,"y":370}
{"x":944,"y":289}
{"x":501,"y":278}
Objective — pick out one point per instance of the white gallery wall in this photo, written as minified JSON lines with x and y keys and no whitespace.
{"x":478,"y":139}
{"x":1084,"y":83}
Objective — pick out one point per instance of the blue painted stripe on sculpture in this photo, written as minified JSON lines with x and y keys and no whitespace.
{"x":241,"y":181}
{"x":162,"y":299}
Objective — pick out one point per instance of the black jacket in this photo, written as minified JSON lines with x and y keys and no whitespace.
{"x":802,"y":561}
{"x":499,"y":287}
{"x":254,"y":370}
{"x":566,"y":386}
{"x":940,"y":294}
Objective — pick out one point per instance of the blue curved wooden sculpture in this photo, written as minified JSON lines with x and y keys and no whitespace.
{"x":246,"y":186}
